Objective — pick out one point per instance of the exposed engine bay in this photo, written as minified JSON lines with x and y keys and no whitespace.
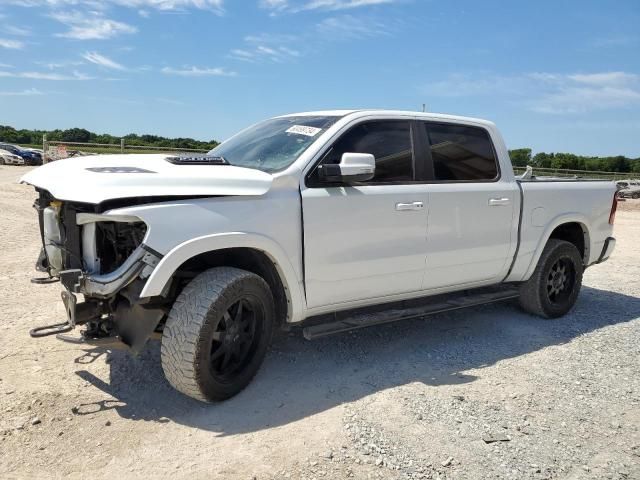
{"x":104,"y":259}
{"x":116,"y":241}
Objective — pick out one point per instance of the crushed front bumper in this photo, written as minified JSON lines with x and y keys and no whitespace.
{"x":112,"y":308}
{"x":139,"y":264}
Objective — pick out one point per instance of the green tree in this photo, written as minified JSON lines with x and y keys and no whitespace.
{"x":520,"y":157}
{"x":542,"y":160}
{"x":75,"y":135}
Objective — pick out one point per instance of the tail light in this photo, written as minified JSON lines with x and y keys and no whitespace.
{"x":614,"y":207}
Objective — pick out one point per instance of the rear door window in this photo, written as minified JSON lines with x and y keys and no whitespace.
{"x":461,"y":153}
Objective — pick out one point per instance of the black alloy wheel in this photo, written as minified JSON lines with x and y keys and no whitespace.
{"x":233,"y":342}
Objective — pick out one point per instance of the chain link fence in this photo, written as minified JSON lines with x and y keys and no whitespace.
{"x":57,"y":150}
{"x":589,"y":174}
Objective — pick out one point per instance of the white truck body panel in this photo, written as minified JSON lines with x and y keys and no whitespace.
{"x":359,"y":246}
{"x":587,"y":203}
{"x":341,"y":247}
{"x":73,"y":180}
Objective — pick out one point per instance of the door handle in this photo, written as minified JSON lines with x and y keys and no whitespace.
{"x":409,"y":206}
{"x":496,"y":202}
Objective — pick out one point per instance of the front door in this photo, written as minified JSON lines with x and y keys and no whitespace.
{"x":366,"y":240}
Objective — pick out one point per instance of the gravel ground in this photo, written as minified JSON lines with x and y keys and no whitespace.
{"x":483,"y":393}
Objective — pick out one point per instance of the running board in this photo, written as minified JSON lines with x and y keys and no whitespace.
{"x":431,"y":305}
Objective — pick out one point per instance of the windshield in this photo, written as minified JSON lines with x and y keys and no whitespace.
{"x":274,"y":144}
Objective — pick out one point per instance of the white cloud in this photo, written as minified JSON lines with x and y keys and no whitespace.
{"x":267,"y":48}
{"x":243,"y":55}
{"x":198,"y":72}
{"x":14,"y":30}
{"x":215,"y":6}
{"x":46,"y":75}
{"x":92,"y":26}
{"x":96,"y":58}
{"x":56,"y":65}
{"x":280,"y":48}
{"x":263,"y":53}
{"x":88,"y":20}
{"x":544,"y":92}
{"x":294,"y":6}
{"x":23,"y":93}
{"x":581,"y":92}
{"x":274,"y":4}
{"x":11,"y":44}
{"x":343,"y":4}
{"x":351,"y":27}
{"x":584,"y":99}
{"x":605,"y":79}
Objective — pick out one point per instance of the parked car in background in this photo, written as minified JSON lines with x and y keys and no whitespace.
{"x":8,"y":158}
{"x":36,"y":150}
{"x":629,"y":189}
{"x":30,"y":157}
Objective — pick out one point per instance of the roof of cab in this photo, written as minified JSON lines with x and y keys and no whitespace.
{"x":366,"y":112}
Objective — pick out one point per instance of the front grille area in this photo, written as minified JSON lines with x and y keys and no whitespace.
{"x":61,"y":236}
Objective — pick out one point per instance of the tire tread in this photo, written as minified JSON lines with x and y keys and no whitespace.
{"x":530,"y":294}
{"x":180,"y":339}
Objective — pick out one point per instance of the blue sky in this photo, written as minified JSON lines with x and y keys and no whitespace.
{"x":554,"y":75}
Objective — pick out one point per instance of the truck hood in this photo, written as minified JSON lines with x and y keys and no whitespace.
{"x":94,"y":179}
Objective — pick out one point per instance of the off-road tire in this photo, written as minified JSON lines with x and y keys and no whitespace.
{"x":197,"y":316}
{"x":534,"y":293}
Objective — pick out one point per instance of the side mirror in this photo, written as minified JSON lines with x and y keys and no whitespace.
{"x":353,"y":167}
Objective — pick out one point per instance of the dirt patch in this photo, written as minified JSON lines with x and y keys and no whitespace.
{"x":482,"y":393}
{"x":629,"y":204}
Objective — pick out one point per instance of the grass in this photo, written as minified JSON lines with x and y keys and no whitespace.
{"x":116,"y":149}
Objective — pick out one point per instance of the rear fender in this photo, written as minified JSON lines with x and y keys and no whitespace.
{"x":526,"y":264}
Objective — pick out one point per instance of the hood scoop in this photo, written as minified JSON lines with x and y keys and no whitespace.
{"x":197,"y":160}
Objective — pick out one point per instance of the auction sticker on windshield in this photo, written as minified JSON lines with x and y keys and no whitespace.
{"x":303,"y":130}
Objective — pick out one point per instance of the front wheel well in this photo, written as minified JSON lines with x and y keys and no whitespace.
{"x":250,"y":259}
{"x":575,"y":233}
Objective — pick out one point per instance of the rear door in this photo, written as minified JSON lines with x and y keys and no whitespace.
{"x":366,"y":240}
{"x":471,"y":208}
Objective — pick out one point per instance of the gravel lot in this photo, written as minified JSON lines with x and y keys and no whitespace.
{"x":483,"y":393}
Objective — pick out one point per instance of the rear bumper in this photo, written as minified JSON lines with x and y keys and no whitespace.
{"x":607,"y":249}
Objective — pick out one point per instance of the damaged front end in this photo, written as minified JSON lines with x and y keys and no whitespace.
{"x":102,"y":257}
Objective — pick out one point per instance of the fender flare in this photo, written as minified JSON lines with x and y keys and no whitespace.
{"x":163,"y":272}
{"x":573,"y":217}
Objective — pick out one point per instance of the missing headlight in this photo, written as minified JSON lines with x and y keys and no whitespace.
{"x":115,"y":241}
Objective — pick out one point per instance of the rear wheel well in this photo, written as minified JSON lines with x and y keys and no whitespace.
{"x":252,"y":260}
{"x":576,"y":234}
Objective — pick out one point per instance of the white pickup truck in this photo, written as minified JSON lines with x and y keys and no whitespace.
{"x":332,"y":220}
